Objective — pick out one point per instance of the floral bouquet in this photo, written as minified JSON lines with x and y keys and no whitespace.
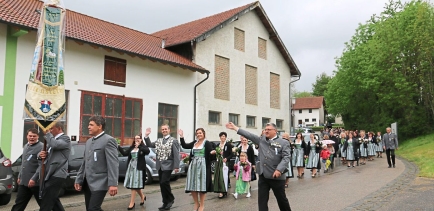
{"x":318,"y":143}
{"x":365,"y":140}
{"x":218,"y":153}
{"x":235,"y":149}
{"x":243,"y":164}
{"x":378,"y":139}
{"x":342,"y":141}
{"x":360,"y":140}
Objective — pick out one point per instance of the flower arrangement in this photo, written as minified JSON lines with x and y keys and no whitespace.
{"x":118,"y":140}
{"x":318,"y":143}
{"x":378,"y":139}
{"x":342,"y":141}
{"x":186,"y":160}
{"x":235,"y":149}
{"x":219,"y":153}
{"x":360,"y":140}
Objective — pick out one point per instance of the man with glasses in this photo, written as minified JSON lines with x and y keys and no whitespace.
{"x":274,"y":157}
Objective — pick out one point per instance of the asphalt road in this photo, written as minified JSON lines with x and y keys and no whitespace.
{"x":342,"y":189}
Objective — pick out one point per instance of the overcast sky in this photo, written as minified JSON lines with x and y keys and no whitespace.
{"x":313,"y":31}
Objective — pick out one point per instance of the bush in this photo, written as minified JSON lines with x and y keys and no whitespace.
{"x":318,"y":128}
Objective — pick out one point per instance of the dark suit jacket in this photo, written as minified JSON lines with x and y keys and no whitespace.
{"x":141,"y":161}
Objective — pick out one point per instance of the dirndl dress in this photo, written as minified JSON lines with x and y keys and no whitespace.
{"x":350,"y":152}
{"x":313,"y":160}
{"x":133,"y":176}
{"x":196,"y":175}
{"x":241,"y":186}
{"x":298,"y":156}
{"x":379,"y":146}
{"x":371,"y":148}
{"x":363,"y":151}
{"x":219,"y":183}
{"x":290,"y":172}
{"x":343,"y":153}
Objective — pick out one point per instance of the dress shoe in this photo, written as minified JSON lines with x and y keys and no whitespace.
{"x":389,"y":167}
{"x":130,"y":208}
{"x":169,"y":205}
{"x":162,"y":207}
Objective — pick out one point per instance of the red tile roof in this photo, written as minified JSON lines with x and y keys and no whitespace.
{"x":91,"y":30}
{"x":308,"y":102}
{"x":200,"y":29}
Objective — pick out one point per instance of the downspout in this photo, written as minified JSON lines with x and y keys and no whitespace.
{"x":290,"y":102}
{"x":195,"y":97}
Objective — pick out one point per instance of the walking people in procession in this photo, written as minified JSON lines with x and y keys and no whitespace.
{"x":341,"y":147}
{"x":27,"y":177}
{"x":390,"y":143}
{"x":372,"y":146}
{"x":351,"y":150}
{"x":136,"y":172}
{"x":331,"y":149}
{"x":100,"y":168}
{"x":379,"y":145}
{"x":250,"y":152}
{"x":312,"y":153}
{"x":290,"y":172}
{"x":298,"y":154}
{"x":363,"y":147}
{"x":223,"y":155}
{"x":243,"y":169}
{"x":325,"y":156}
{"x":274,"y":155}
{"x":199,"y":172}
{"x":334,"y":153}
{"x":167,"y":150}
{"x":56,"y":167}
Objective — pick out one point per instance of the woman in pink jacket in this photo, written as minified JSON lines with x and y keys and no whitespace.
{"x":244,"y":170}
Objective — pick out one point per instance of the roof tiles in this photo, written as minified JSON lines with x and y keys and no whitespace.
{"x":308,"y":102}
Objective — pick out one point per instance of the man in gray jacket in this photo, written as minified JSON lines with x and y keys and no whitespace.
{"x":100,"y":168}
{"x":390,"y":143}
{"x":274,"y":156}
{"x":167,"y":150}
{"x":30,"y":163}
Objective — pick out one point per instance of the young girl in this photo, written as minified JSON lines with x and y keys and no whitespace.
{"x":243,"y":168}
{"x":325,"y":154}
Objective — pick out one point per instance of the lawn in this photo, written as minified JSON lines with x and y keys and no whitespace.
{"x":420,"y":151}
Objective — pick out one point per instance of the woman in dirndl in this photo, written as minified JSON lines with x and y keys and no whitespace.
{"x":290,"y":172}
{"x":379,"y":145}
{"x":372,"y":146}
{"x":199,"y":172}
{"x":350,"y":148}
{"x":313,"y":150}
{"x":223,"y":154}
{"x":298,"y":154}
{"x":341,"y":147}
{"x":363,"y":147}
{"x":135,"y":176}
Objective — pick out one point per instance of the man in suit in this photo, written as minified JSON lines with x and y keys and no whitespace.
{"x":100,"y":168}
{"x":167,"y":150}
{"x":390,"y":143}
{"x":274,"y":156}
{"x":26,"y":186}
{"x":56,"y":167}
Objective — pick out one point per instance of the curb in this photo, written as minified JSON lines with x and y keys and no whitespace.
{"x":376,"y":200}
{"x":120,"y":196}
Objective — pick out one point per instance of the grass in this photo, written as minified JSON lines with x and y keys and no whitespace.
{"x":420,"y":151}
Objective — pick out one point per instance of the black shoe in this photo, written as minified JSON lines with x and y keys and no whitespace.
{"x":389,"y":167}
{"x":162,"y":207}
{"x":393,"y":165}
{"x":130,"y":208}
{"x":169,"y":205}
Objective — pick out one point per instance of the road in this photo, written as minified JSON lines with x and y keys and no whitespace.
{"x":342,"y":189}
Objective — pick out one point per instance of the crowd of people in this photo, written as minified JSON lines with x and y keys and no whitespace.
{"x":277,"y":156}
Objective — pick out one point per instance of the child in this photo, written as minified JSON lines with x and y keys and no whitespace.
{"x":324,"y":155}
{"x":243,"y":169}
{"x":332,"y":154}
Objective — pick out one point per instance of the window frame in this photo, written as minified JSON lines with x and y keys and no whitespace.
{"x":173,"y":130}
{"x":306,"y":120}
{"x":268,"y":121}
{"x":300,"y":111}
{"x":247,"y":121}
{"x":218,"y":118}
{"x":310,"y":110}
{"x":237,"y":117}
{"x":313,"y":119}
{"x":281,"y":123}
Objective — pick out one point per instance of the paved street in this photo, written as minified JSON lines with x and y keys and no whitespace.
{"x":343,"y":189}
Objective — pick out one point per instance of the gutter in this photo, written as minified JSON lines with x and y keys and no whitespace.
{"x":290,"y":101}
{"x":195,"y":97}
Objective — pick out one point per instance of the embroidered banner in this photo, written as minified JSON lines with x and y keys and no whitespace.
{"x":45,"y":96}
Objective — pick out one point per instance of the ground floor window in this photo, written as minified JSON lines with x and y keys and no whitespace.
{"x":168,"y":114}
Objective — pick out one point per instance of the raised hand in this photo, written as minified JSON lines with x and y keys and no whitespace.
{"x":148,"y":131}
{"x":181,"y":133}
{"x":231,"y":126}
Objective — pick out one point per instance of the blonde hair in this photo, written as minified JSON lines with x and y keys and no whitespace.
{"x":326,"y":137}
{"x":243,"y":154}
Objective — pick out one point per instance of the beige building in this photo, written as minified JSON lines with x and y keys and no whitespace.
{"x":251,"y":69}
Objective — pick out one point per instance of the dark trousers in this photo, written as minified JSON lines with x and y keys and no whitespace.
{"x":390,"y":153}
{"x":50,"y":195}
{"x":278,"y":187}
{"x":166,"y":190}
{"x":93,"y":199}
{"x":24,"y":195}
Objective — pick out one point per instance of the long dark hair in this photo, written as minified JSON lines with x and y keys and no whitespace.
{"x":301,"y":136}
{"x":134,"y":141}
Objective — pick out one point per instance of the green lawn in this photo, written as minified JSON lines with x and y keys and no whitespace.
{"x":420,"y":150}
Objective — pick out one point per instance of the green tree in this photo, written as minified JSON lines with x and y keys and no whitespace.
{"x":302,"y":94}
{"x":320,"y":86}
{"x":385,"y":73}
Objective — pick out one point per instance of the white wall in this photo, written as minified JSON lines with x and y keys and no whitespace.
{"x":151,"y":81}
{"x":306,"y":115}
{"x":3,"y":34}
{"x":222,"y":43}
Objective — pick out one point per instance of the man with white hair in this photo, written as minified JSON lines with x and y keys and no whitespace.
{"x":390,"y":143}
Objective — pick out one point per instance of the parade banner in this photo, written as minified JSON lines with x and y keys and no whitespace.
{"x":45,"y":97}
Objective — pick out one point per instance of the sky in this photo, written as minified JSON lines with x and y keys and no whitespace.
{"x":313,"y":31}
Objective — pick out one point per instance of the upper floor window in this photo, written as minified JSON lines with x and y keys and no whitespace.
{"x":168,"y":115}
{"x":265,"y":121}
{"x":262,"y":48}
{"x":251,"y":121}
{"x":310,"y":110}
{"x":306,"y":120}
{"x":300,"y":111}
{"x":279,"y":124}
{"x":239,"y":39}
{"x":115,"y":71}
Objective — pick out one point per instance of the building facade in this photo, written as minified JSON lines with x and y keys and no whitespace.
{"x":309,"y":111}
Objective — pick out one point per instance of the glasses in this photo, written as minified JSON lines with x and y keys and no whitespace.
{"x":269,"y":129}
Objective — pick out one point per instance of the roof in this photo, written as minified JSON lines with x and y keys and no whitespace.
{"x":199,"y":30}
{"x":79,"y":27}
{"x":308,"y":102}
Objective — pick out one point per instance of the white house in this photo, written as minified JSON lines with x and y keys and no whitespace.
{"x":110,"y":70}
{"x":251,"y":69}
{"x":309,"y":111}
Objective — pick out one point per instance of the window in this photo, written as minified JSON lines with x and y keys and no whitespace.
{"x":313,"y":119}
{"x":221,"y":78}
{"x":310,"y":110}
{"x":265,"y":121}
{"x":274,"y":90}
{"x":115,"y":71}
{"x":262,"y":48}
{"x":168,"y":114}
{"x":214,"y":118}
{"x":300,"y":111}
{"x":279,"y":124}
{"x":251,"y":121}
{"x":239,"y":39}
{"x":251,"y":85}
{"x":28,"y":124}
{"x":234,"y":118}
{"x":123,"y":115}
{"x":306,"y":120}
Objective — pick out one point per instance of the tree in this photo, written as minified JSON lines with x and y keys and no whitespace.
{"x":385,"y":73}
{"x":320,"y":86}
{"x":302,"y":94}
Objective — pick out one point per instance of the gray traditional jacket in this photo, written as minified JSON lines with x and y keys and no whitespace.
{"x":30,"y":163}
{"x":390,"y":141}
